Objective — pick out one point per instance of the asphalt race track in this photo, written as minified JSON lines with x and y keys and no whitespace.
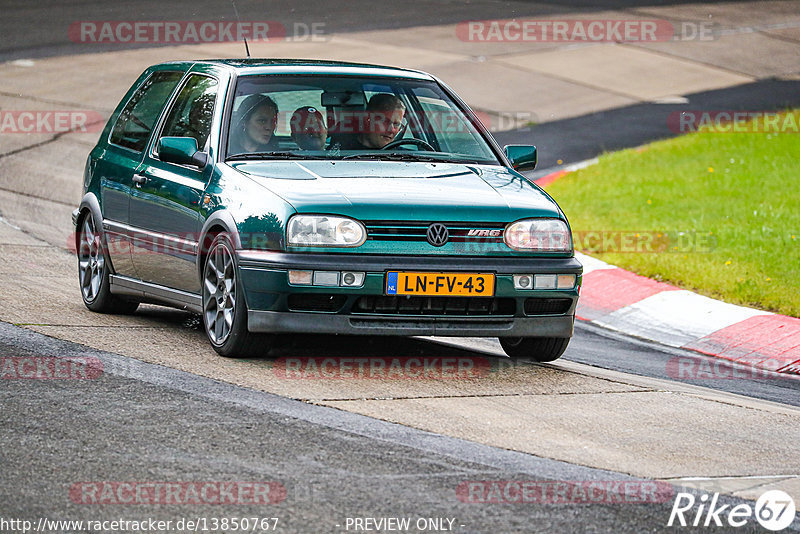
{"x":172,"y":425}
{"x":167,"y":409}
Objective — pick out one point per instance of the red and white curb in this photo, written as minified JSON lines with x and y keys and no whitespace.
{"x":549,"y":178}
{"x":635,"y":305}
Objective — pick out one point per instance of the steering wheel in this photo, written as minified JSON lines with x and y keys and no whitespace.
{"x":410,"y":141}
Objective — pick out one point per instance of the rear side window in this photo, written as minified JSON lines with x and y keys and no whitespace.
{"x":135,"y":123}
{"x":193,"y":110}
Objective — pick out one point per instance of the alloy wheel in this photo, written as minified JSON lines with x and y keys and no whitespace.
{"x":91,"y":260}
{"x":219,"y":294}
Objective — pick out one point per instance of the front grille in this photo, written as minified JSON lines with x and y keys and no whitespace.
{"x":316,"y":302}
{"x":464,"y":306}
{"x":417,"y":231}
{"x":537,"y":306}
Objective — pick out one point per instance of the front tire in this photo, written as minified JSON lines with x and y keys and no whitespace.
{"x":224,"y":307}
{"x":541,"y":349}
{"x":93,"y":270}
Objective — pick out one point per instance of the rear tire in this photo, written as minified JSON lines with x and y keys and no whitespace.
{"x":541,"y":349}
{"x":93,"y":270}
{"x":224,"y":308}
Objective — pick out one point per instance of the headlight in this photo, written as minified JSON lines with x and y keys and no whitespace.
{"x":538,"y":235}
{"x":324,"y":231}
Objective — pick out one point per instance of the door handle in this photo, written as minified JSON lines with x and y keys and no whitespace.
{"x":140,"y":179}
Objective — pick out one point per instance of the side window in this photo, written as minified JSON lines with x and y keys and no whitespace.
{"x":193,"y":110}
{"x":135,"y":123}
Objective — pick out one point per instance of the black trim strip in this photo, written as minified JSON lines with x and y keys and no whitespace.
{"x":156,"y":239}
{"x":145,"y":291}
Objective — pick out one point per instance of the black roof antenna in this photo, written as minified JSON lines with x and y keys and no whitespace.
{"x":236,"y":11}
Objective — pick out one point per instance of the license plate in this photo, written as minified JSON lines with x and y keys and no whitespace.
{"x":443,"y":284}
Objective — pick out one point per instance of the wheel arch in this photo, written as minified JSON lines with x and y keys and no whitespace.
{"x":218,"y":222}
{"x":91,"y":205}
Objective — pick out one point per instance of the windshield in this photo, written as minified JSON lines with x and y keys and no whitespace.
{"x":348,"y":117}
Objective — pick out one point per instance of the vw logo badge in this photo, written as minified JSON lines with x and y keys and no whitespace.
{"x":437,"y":234}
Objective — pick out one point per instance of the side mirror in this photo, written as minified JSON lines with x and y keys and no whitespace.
{"x":181,"y":150}
{"x":522,"y":157}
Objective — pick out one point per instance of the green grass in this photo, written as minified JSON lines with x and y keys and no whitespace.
{"x":736,"y":194}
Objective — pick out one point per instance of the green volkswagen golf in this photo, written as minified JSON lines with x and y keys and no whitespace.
{"x":299,"y":196}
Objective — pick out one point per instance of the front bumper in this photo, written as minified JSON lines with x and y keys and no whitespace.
{"x":323,"y":323}
{"x":269,"y":296}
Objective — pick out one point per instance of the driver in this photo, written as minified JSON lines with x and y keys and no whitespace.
{"x":384,"y":119}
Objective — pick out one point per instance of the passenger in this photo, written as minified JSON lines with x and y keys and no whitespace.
{"x":384,"y":119}
{"x":253,"y":127}
{"x":308,"y":128}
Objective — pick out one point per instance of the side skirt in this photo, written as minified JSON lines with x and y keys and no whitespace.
{"x":154,"y":293}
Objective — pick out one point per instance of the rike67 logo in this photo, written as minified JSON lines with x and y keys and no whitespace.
{"x":774,"y":510}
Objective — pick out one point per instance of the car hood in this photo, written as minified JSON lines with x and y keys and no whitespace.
{"x":385,"y":190}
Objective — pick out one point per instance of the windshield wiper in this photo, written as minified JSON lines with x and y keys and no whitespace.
{"x":274,"y":155}
{"x":413,"y":156}
{"x":397,"y":156}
